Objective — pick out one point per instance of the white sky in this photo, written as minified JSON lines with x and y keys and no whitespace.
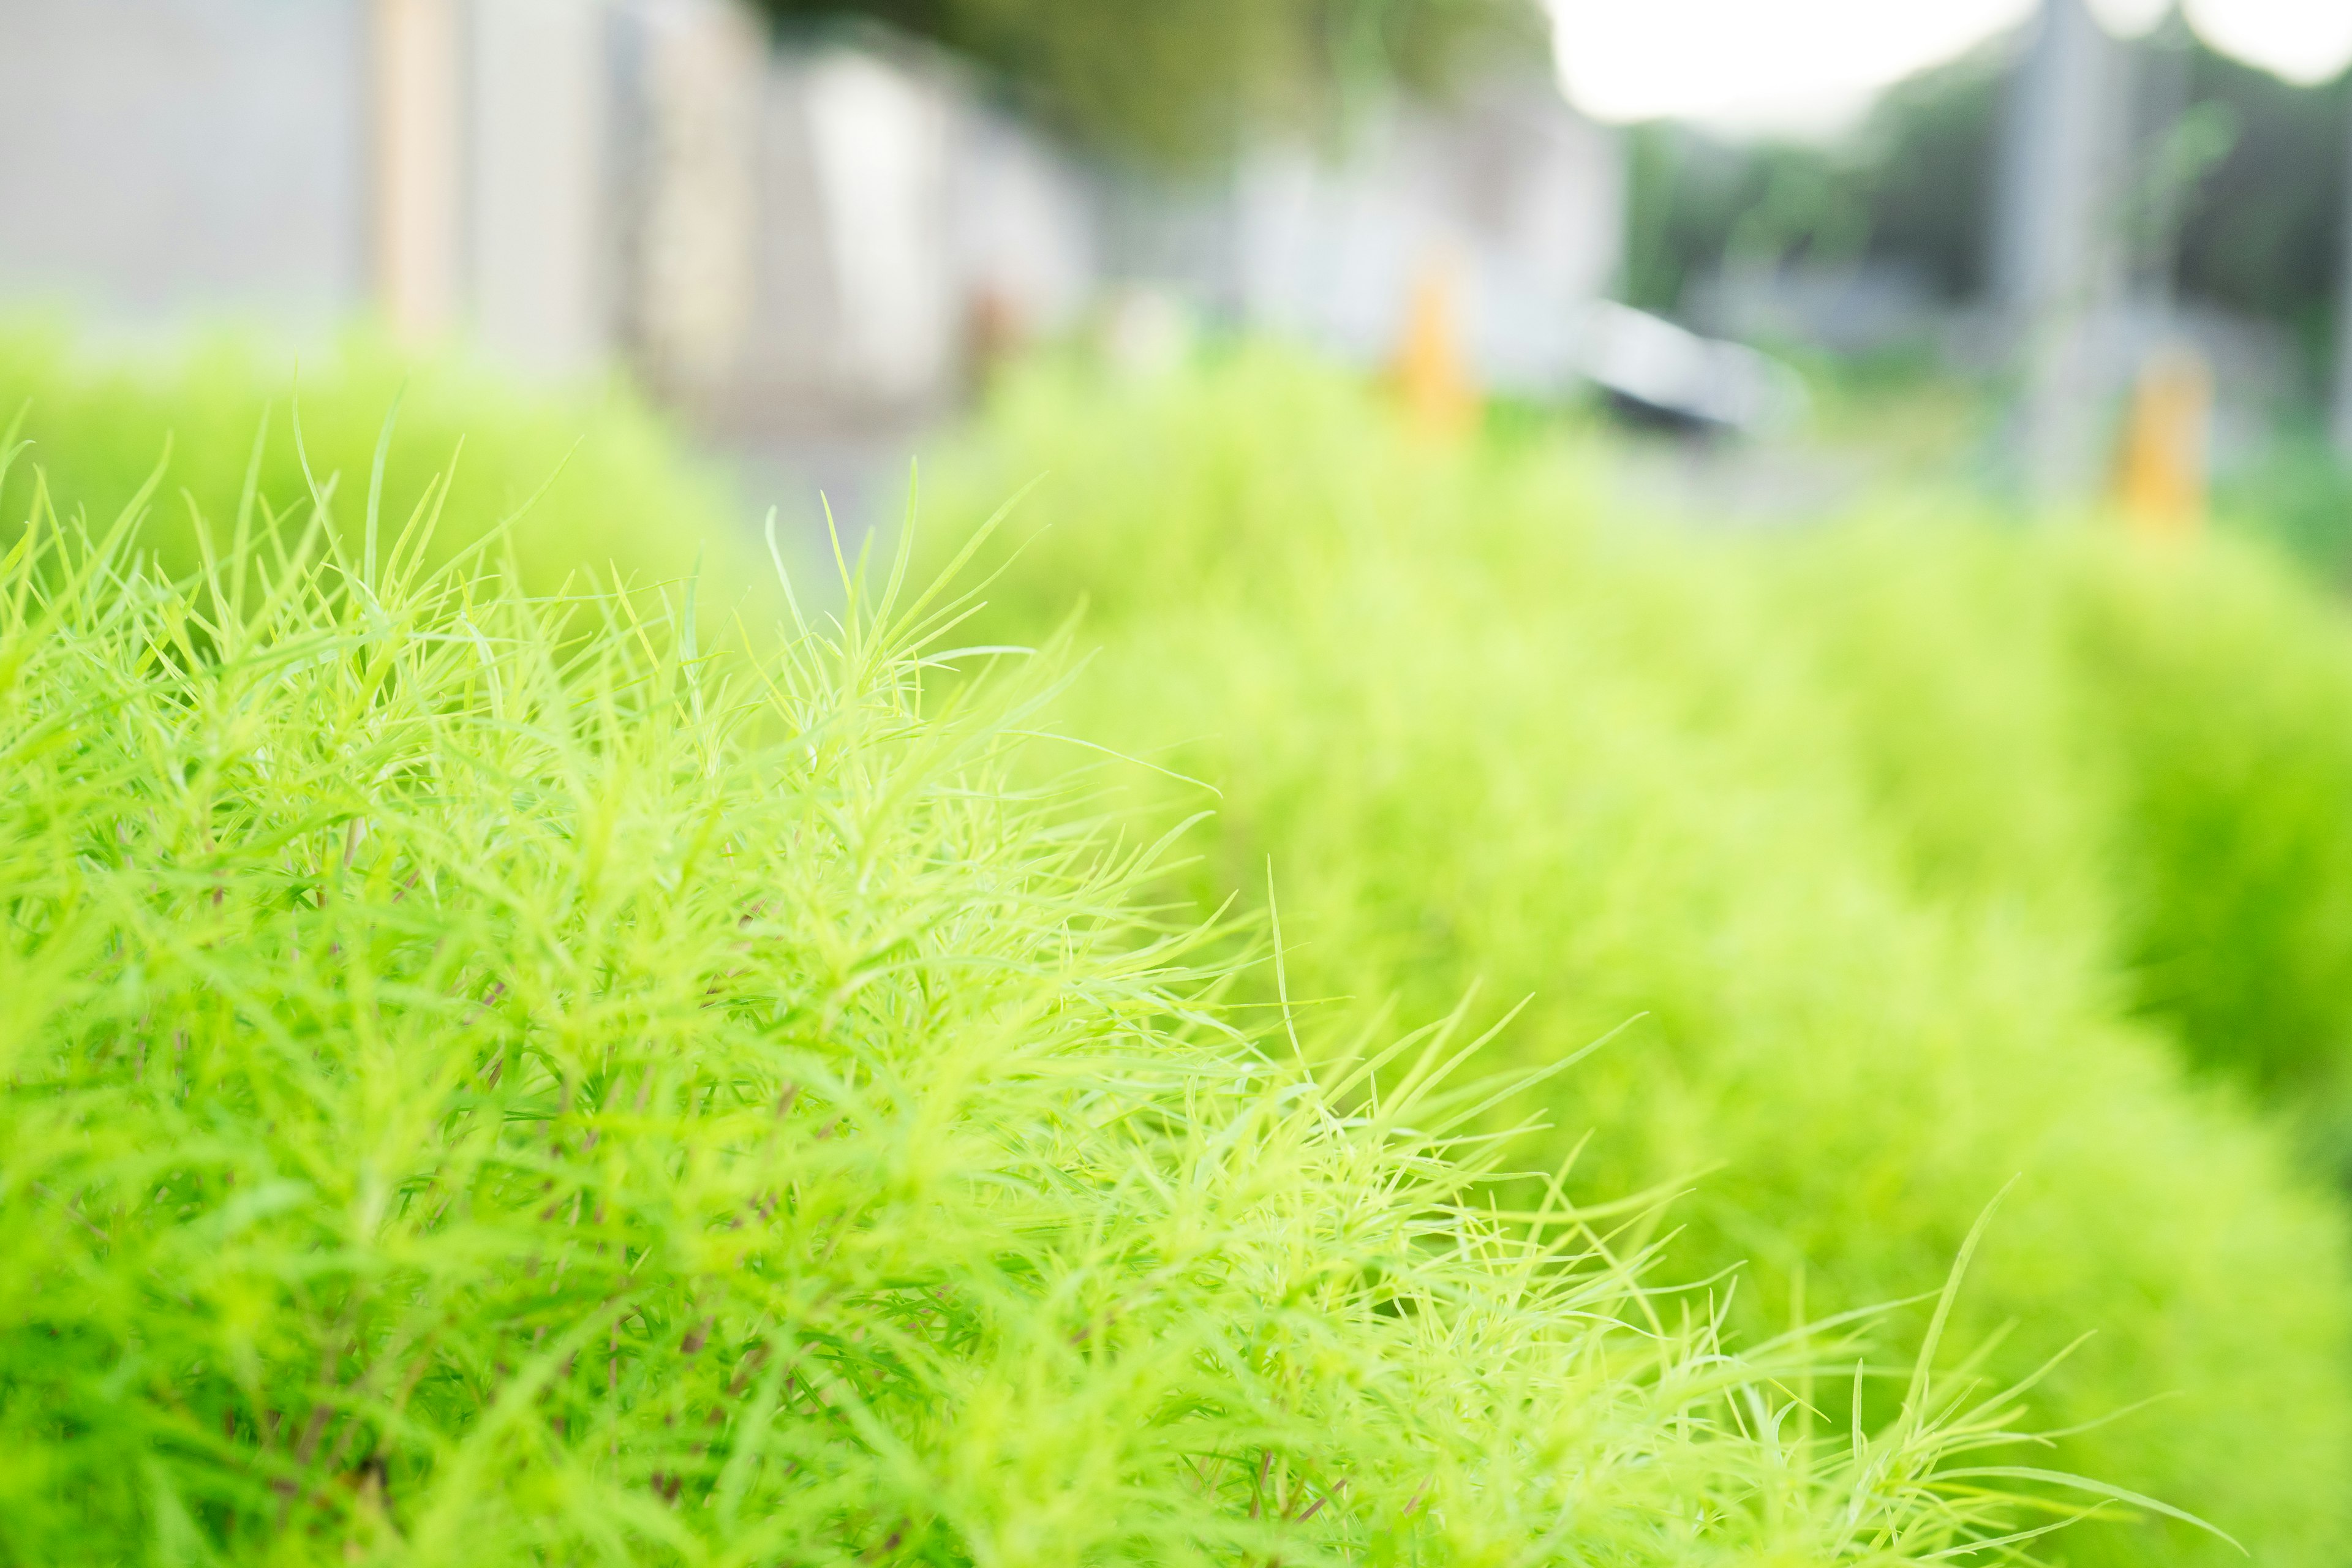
{"x":2302,"y":40}
{"x":1813,"y":64}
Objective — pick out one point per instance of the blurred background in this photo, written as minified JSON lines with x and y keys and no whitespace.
{"x":1983,"y":831}
{"x":2079,"y":251}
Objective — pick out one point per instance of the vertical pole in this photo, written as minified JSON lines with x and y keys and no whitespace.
{"x":417,"y":173}
{"x":2057,"y":265}
{"x":2343,"y":410}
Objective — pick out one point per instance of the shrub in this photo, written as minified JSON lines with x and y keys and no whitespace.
{"x":1485,"y":737}
{"x":491,"y":1079}
{"x":613,"y":489}
{"x":2149,"y":747}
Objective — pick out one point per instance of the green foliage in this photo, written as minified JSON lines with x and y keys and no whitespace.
{"x":2262,"y":235}
{"x":1180,"y":81}
{"x":1912,"y":185}
{"x":2146,"y":747}
{"x":2233,"y":190}
{"x":497,"y":1080}
{"x":612,"y":488}
{"x":2295,"y":495}
{"x":1817,"y":818}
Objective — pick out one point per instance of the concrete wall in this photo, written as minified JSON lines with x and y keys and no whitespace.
{"x":1513,"y":197}
{"x":296,"y":163}
{"x":538,"y":232}
{"x":160,"y":159}
{"x":903,"y":226}
{"x":827,"y":235}
{"x":687,"y":79}
{"x":1021,"y":227}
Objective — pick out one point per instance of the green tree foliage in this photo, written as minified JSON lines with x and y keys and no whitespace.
{"x":1912,"y":185}
{"x":2263,"y":233}
{"x":2235,"y":190}
{"x":1179,"y":81}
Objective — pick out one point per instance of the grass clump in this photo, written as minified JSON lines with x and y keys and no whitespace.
{"x":1485,"y":738}
{"x":612,"y":487}
{"x":496,"y":1079}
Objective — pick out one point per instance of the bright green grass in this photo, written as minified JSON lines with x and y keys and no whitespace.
{"x":2154,"y":746}
{"x":492,"y":1080}
{"x":612,"y":489}
{"x":1484,"y":738}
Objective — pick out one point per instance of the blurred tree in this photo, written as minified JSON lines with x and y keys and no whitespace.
{"x":2261,"y":235}
{"x":1911,"y":184}
{"x":1176,"y":81}
{"x":2243,"y":184}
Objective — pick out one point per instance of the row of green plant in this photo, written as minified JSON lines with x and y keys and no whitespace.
{"x":1895,"y":863}
{"x":2145,"y":747}
{"x":574,"y":480}
{"x":1914,"y":849}
{"x":494,"y":1078}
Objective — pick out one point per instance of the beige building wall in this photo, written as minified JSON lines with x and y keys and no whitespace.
{"x":416,"y":103}
{"x":827,"y":235}
{"x":169,"y":160}
{"x":539,"y":272}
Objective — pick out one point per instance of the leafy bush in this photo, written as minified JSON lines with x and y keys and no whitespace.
{"x":2294,"y":496}
{"x":612,"y":488}
{"x":2150,"y":747}
{"x":494,"y":1080}
{"x":1485,"y":738}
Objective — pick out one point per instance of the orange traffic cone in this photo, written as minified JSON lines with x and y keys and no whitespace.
{"x":2160,"y":481}
{"x":1432,"y":377}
